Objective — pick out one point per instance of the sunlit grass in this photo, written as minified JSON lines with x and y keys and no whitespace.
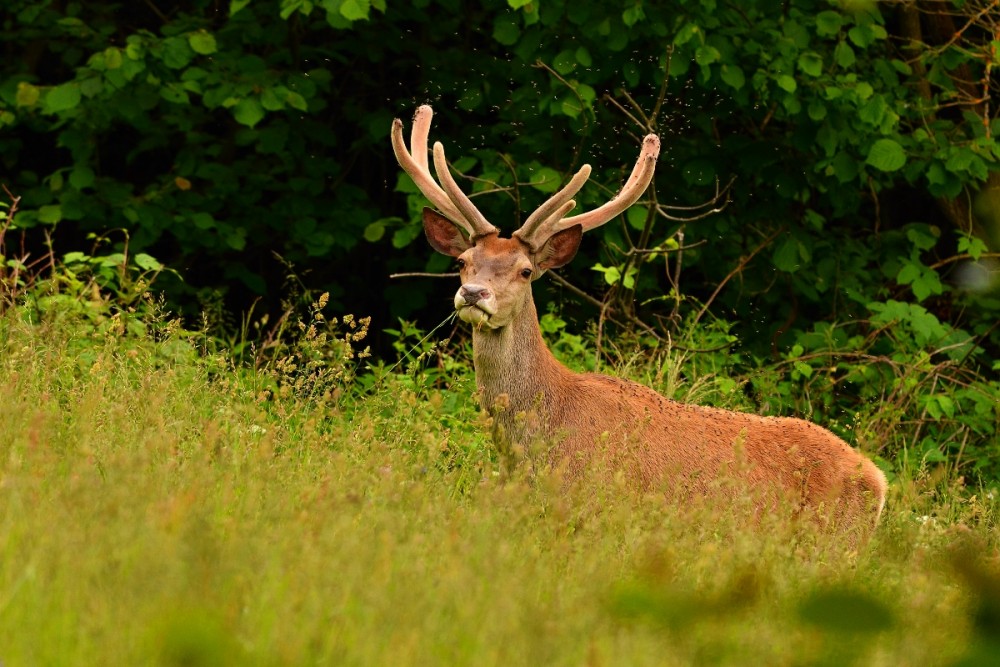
{"x":159,"y":507}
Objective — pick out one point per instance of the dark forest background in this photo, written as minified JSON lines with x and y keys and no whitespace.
{"x":825,"y":212}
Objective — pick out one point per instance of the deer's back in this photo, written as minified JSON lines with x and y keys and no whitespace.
{"x":660,"y":442}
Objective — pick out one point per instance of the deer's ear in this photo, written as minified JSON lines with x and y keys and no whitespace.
{"x":559,"y":249}
{"x":443,"y":235}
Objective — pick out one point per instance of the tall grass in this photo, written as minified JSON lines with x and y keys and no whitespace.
{"x":160,"y":506}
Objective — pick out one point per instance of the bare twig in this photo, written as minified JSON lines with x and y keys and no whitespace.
{"x":739,"y":267}
{"x":515,"y":192}
{"x":608,"y":98}
{"x":675,"y":279}
{"x":156,"y":10}
{"x":647,"y":125}
{"x":963,"y":256}
{"x":662,"y":251}
{"x":655,"y":114}
{"x":11,"y":212}
{"x":720,"y":193}
{"x":610,"y":310}
{"x":421,"y":274}
{"x":584,"y":108}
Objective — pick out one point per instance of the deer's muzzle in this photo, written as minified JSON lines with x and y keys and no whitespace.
{"x":475,"y":303}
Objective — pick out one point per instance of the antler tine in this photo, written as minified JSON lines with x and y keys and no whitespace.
{"x":636,"y":184}
{"x":451,"y":201}
{"x":553,"y":209}
{"x":422,"y":177}
{"x":418,"y":135}
{"x":477,"y":220}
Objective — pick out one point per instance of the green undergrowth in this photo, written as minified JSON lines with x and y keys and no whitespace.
{"x":162,"y":504}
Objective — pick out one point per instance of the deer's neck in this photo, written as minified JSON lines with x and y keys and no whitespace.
{"x":515,"y":371}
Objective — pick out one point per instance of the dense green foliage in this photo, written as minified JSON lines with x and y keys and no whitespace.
{"x":852,"y":277}
{"x":160,"y":506}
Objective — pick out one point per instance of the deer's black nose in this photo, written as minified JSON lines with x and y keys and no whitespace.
{"x":473,"y":294}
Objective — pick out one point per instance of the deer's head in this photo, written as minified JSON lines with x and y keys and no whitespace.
{"x":496,"y":272}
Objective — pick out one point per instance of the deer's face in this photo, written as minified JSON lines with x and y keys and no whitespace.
{"x":496,"y":282}
{"x":497,"y":273}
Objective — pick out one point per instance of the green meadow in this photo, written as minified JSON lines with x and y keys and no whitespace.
{"x":162,"y":503}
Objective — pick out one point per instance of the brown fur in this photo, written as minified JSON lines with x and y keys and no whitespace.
{"x":596,"y":419}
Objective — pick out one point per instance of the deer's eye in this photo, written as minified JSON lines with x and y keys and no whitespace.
{"x":525,"y":273}
{"x":460,"y":263}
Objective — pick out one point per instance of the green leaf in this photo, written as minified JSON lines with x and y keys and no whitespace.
{"x":236,"y":238}
{"x":296,"y":101}
{"x":405,"y":235}
{"x":862,"y":35}
{"x":374,"y":231}
{"x":147,"y":262}
{"x":633,"y":15}
{"x":270,"y":101}
{"x":816,"y":110}
{"x":612,"y":275}
{"x":506,"y":30}
{"x":923,"y":280}
{"x":946,"y":404}
{"x":354,"y":10}
{"x":972,"y":245}
{"x":289,"y":7}
{"x":248,"y":111}
{"x":81,"y":177}
{"x":733,"y":75}
{"x":873,"y":110}
{"x":171,"y":92}
{"x":845,"y":167}
{"x":886,"y":155}
{"x":546,"y":180}
{"x":629,"y":280}
{"x":177,"y":53}
{"x":828,"y":23}
{"x":787,"y":83}
{"x":686,"y":34}
{"x":706,"y":55}
{"x":202,"y":42}
{"x":570,"y":106}
{"x":51,"y":213}
{"x":564,"y":62}
{"x":636,"y":217}
{"x":583,"y":57}
{"x":112,"y":58}
{"x":203,"y":220}
{"x":910,"y":272}
{"x":923,"y":237}
{"x":844,"y":55}
{"x":237,"y":5}
{"x":803,"y":369}
{"x":27,"y":94}
{"x":786,"y":256}
{"x":63,"y":98}
{"x":959,"y":160}
{"x":811,"y":63}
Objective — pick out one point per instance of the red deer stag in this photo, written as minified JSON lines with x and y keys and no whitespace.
{"x":589,"y":418}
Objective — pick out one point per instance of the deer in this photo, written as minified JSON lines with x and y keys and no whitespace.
{"x":586,"y":418}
